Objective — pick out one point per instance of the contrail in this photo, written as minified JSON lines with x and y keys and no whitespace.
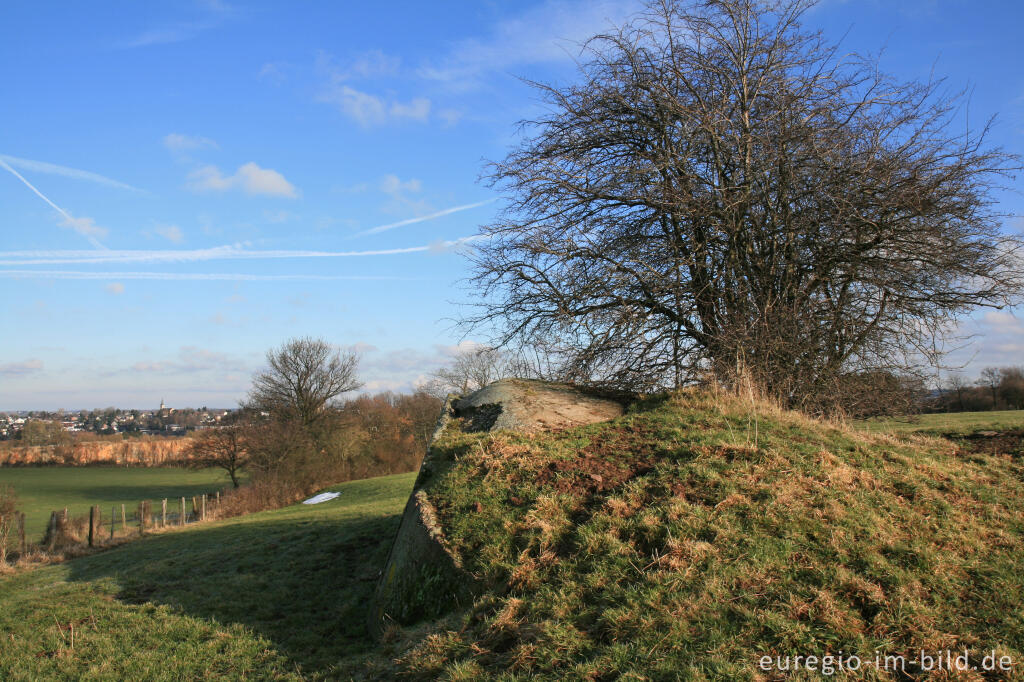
{"x":65,"y":257}
{"x":223,"y":276}
{"x":410,"y":221}
{"x":76,"y":173}
{"x":67,"y":216}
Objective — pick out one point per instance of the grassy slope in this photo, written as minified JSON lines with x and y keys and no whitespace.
{"x":274,"y":595}
{"x":951,"y":423}
{"x":41,"y":490}
{"x":692,"y":536}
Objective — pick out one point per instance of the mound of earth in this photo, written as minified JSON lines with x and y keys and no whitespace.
{"x":422,"y":577}
{"x":698,"y":535}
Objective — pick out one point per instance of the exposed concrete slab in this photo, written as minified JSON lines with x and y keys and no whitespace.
{"x":422,"y":578}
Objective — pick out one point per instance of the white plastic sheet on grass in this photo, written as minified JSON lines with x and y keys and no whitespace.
{"x":322,"y":497}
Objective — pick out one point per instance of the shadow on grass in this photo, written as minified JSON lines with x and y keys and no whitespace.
{"x":303,"y":583}
{"x":172,"y":492}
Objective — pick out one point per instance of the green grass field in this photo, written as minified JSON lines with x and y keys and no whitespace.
{"x":681,"y":541}
{"x":275,"y":595}
{"x":41,"y":490}
{"x":951,"y":423}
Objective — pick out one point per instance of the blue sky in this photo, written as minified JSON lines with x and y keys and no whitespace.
{"x":185,"y":185}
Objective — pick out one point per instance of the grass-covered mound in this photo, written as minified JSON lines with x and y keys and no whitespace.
{"x":698,"y":533}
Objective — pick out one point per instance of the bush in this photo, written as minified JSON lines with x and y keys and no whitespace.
{"x":8,"y":503}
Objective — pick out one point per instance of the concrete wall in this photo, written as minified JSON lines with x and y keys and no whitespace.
{"x":422,"y":579}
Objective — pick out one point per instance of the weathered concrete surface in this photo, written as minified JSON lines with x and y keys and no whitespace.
{"x":422,"y":578}
{"x":529,"y":406}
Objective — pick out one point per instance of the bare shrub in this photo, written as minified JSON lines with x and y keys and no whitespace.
{"x":225,"y":447}
{"x":8,"y":520}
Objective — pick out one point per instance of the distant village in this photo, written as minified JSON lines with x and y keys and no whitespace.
{"x":42,"y":426}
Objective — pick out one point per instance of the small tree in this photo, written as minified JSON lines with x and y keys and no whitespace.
{"x":300,"y":437}
{"x":990,"y":378}
{"x":302,"y":379}
{"x":470,"y":369}
{"x":1011,"y":386}
{"x":226,"y":447}
{"x":957,"y":383}
{"x":8,"y":503}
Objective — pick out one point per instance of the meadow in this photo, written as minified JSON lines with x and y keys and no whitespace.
{"x":951,"y":423}
{"x":274,"y":595}
{"x":795,"y":535}
{"x":41,"y":490}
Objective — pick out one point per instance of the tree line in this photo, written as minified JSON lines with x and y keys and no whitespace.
{"x":997,"y":388}
{"x":294,"y":433}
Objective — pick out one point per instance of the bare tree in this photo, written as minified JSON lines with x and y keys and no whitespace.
{"x":225,"y":447}
{"x":302,"y":379}
{"x":724,"y":191}
{"x":958,"y":383}
{"x":1011,"y":386}
{"x":470,"y":369}
{"x":8,"y":504}
{"x":991,"y":377}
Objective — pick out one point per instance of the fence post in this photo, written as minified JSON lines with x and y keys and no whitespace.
{"x":20,"y":533}
{"x":113,"y":520}
{"x":181,"y":518}
{"x":195,"y":509}
{"x":51,"y":531}
{"x":163,"y":512}
{"x":124,"y":519}
{"x":92,"y":525}
{"x":203,"y":515}
{"x":218,"y":499}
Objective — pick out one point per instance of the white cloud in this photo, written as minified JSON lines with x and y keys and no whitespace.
{"x":372,"y":64}
{"x":250,"y":178}
{"x":552,"y":31}
{"x":420,"y":219}
{"x":179,"y":142}
{"x":992,"y":338}
{"x":115,"y":288}
{"x":273,"y":73}
{"x":256,"y":180}
{"x":450,"y":116}
{"x":418,"y":109}
{"x":192,"y":276}
{"x":21,"y":368}
{"x":1001,"y":322}
{"x":370,"y":110}
{"x":391,"y":184}
{"x":54,"y":169}
{"x":171,"y":233}
{"x":86,"y":227}
{"x":406,"y":368}
{"x":366,"y":108}
{"x":278,"y":216}
{"x":230,"y":252}
{"x":192,"y":359}
{"x":215,"y":13}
